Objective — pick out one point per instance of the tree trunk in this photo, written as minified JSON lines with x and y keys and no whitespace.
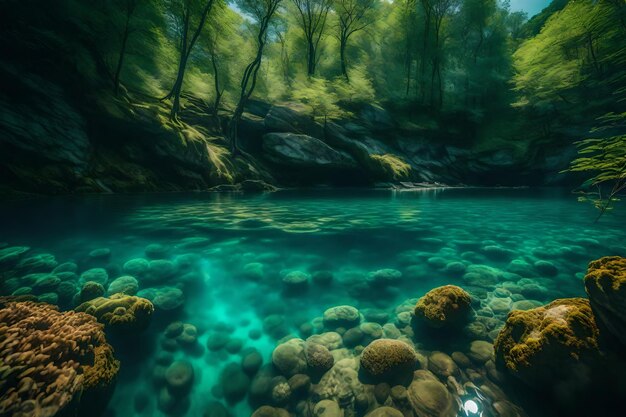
{"x":218,"y":93}
{"x":120,"y":61}
{"x":311,"y":59}
{"x":423,"y":61}
{"x":178,"y":87}
{"x":342,"y":52}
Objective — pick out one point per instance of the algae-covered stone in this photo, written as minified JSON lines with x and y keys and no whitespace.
{"x":384,"y":277}
{"x":125,"y":284}
{"x":447,"y":306}
{"x":605,"y":283}
{"x":98,"y":275}
{"x":100,"y":254}
{"x":11,"y":255}
{"x":137,"y":267}
{"x":388,"y":360}
{"x":341,"y":316}
{"x":289,"y":357}
{"x":429,"y":397}
{"x":546,"y":344}
{"x":90,"y":290}
{"x":120,"y":312}
{"x":156,"y":251}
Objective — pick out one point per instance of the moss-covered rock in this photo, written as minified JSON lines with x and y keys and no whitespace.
{"x":447,"y":306}
{"x":547,"y":344}
{"x":605,"y":283}
{"x":120,"y":312}
{"x":388,"y":360}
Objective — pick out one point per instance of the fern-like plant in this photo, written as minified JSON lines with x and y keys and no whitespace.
{"x":604,"y":158}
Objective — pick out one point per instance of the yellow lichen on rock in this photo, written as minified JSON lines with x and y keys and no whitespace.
{"x":444,"y":306}
{"x":120,"y":311}
{"x":605,"y":283}
{"x":388,"y":360}
{"x":48,"y":359}
{"x":546,"y":343}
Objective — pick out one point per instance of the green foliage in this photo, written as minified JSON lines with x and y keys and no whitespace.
{"x":319,"y":97}
{"x":392,"y":165}
{"x":604,"y":159}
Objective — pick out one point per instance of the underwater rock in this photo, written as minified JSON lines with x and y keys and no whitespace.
{"x":442,"y":365}
{"x":299,"y":385}
{"x":11,"y":255}
{"x":49,"y":297}
{"x":217,"y":340}
{"x":429,"y":397}
{"x":76,"y":370}
{"x":234,"y":382}
{"x":137,"y":267}
{"x":216,"y":409}
{"x":47,"y":283}
{"x":251,"y":362}
{"x":161,"y":270}
{"x":384,"y":277}
{"x":341,"y":383}
{"x":327,"y":408}
{"x":125,"y":284}
{"x":330,"y":340}
{"x":385,"y":412}
{"x":179,"y":378}
{"x":253,"y":271}
{"x":98,"y":275}
{"x":156,"y":251}
{"x":480,"y":351}
{"x":193,"y":242}
{"x":546,"y":268}
{"x":322,"y":278}
{"x":267,"y":411}
{"x":318,"y":358}
{"x":164,"y":298}
{"x":120,"y":312}
{"x":388,"y":360}
{"x":188,"y":337}
{"x":341,"y":316}
{"x":295,"y":282}
{"x":289,"y":357}
{"x":275,"y":326}
{"x":65,"y":267}
{"x":605,"y":284}
{"x":90,"y":290}
{"x":100,"y":254}
{"x":44,"y":262}
{"x":547,"y":344}
{"x":447,"y":306}
{"x":281,"y":393}
{"x":353,"y":337}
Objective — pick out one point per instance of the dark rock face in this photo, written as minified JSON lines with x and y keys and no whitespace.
{"x":302,"y":151}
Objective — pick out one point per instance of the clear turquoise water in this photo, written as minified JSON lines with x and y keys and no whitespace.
{"x":485,"y":240}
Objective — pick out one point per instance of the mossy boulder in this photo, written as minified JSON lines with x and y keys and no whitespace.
{"x":444,"y":307}
{"x":120,"y":312}
{"x":548,"y":344}
{"x":430,"y":398}
{"x":388,"y":360}
{"x":341,"y":316}
{"x":605,"y":283}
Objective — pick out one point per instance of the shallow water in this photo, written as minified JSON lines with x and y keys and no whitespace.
{"x":229,"y":253}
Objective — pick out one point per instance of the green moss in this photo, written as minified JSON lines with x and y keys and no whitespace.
{"x":392,"y":165}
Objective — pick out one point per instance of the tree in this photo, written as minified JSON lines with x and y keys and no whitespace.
{"x":312,"y":19}
{"x":129,"y":10}
{"x":604,"y":158}
{"x":190,"y":16}
{"x":354,"y":16}
{"x":439,"y":11}
{"x":262,"y":11}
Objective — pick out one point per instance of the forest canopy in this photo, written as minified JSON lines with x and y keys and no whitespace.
{"x":473,"y":60}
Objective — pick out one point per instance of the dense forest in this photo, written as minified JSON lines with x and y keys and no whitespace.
{"x":463,"y":83}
